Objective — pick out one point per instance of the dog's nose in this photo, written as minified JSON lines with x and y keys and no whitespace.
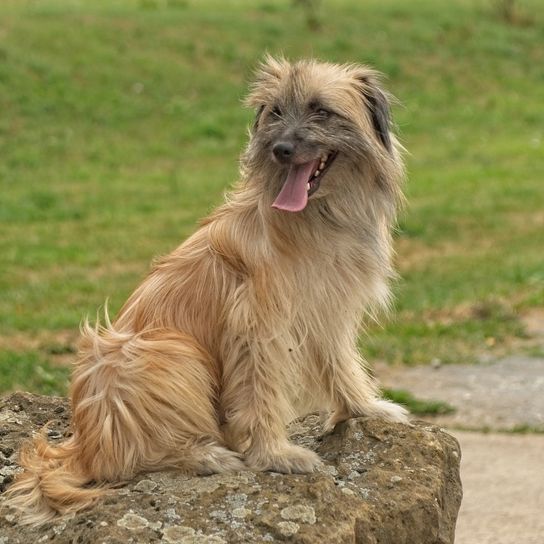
{"x":283,"y":151}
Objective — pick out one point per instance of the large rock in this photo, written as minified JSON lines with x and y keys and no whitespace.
{"x":381,"y":483}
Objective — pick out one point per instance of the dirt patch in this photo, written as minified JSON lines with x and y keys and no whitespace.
{"x":59,"y":347}
{"x":412,"y":253}
{"x":533,"y":321}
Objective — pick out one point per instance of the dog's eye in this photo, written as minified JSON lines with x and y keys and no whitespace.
{"x":318,"y":110}
{"x":276,"y":112}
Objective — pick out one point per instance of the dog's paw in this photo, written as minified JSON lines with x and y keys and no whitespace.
{"x":289,"y":459}
{"x":380,"y":408}
{"x":389,"y":411}
{"x":334,"y":419}
{"x":214,"y":459}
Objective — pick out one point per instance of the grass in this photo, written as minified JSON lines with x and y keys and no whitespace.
{"x":32,"y":372}
{"x":418,"y":406}
{"x":122,"y":124}
{"x":515,"y":430}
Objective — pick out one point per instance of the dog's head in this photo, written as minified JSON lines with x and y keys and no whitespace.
{"x":312,"y":120}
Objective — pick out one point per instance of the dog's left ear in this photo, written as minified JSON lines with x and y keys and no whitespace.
{"x":381,"y":116}
{"x":377,"y":102}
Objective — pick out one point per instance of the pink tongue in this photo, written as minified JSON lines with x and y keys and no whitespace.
{"x":293,"y":196}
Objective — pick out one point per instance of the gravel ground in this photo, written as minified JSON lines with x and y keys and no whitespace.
{"x":502,"y":473}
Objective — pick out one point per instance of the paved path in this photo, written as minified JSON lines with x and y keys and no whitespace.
{"x":503,"y":480}
{"x":499,"y":396}
{"x":503,"y":474}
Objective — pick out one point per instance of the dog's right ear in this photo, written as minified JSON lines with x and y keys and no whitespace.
{"x":267,"y":77}
{"x":271,"y":69}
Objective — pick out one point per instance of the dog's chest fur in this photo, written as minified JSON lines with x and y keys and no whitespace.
{"x":309,"y":289}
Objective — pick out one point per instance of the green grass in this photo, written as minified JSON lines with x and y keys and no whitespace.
{"x":417,"y":406}
{"x":121,"y":125}
{"x":516,"y":429}
{"x":32,"y":372}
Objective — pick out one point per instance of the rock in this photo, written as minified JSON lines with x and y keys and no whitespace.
{"x":145,"y":486}
{"x":288,"y":528}
{"x":381,"y":483}
{"x":132,"y":521}
{"x":299,"y":512}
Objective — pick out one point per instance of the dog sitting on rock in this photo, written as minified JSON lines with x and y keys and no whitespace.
{"x":253,"y":320}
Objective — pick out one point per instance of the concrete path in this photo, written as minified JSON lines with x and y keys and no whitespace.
{"x":503,"y":481}
{"x":502,"y":474}
{"x":501,"y":396}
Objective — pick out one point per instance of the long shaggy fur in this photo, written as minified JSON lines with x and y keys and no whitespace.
{"x":253,"y":320}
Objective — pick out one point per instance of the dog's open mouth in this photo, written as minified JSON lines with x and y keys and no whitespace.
{"x":303,"y":181}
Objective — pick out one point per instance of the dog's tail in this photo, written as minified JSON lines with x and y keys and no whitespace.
{"x":55,"y":478}
{"x":140,"y":402}
{"x":52,"y":482}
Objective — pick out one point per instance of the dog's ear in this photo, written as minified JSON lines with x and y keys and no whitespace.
{"x":271,"y":69}
{"x":267,"y":76}
{"x":377,"y":102}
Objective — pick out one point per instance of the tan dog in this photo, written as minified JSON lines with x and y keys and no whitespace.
{"x":252,"y":321}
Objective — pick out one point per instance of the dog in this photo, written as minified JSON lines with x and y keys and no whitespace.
{"x":253,"y":321}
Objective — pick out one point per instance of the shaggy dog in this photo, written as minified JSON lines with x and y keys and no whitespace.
{"x":254,"y":319}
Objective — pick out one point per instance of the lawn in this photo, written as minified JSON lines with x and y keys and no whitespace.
{"x":122,"y":123}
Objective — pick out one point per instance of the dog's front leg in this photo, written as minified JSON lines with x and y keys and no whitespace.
{"x":354,"y":392}
{"x":256,"y":408}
